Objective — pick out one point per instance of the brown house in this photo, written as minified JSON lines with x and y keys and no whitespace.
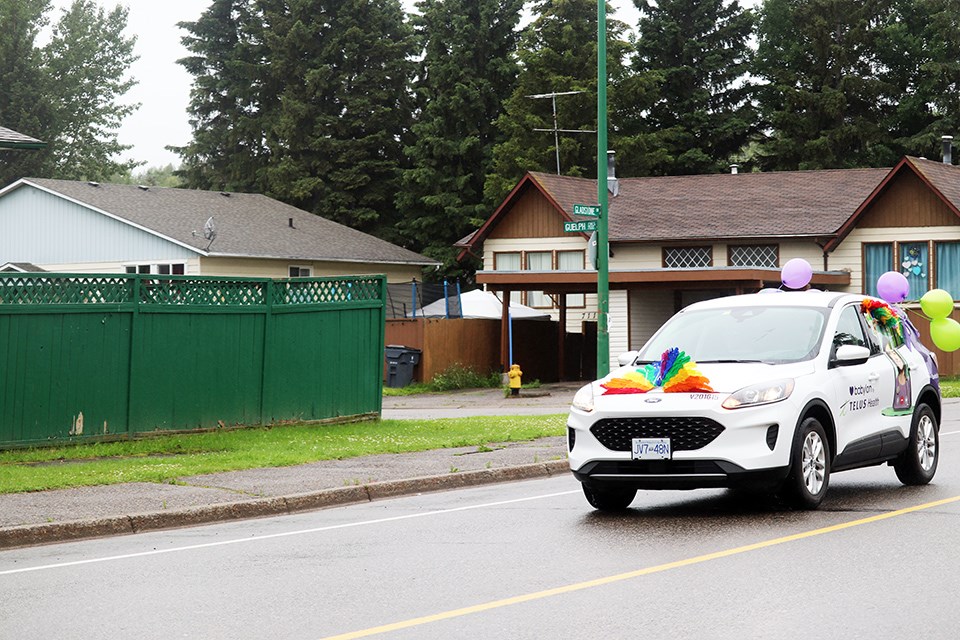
{"x":675,"y":240}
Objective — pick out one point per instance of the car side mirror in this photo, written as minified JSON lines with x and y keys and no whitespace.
{"x":625,"y":359}
{"x":851,"y":354}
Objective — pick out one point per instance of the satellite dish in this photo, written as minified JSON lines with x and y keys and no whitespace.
{"x":209,"y":231}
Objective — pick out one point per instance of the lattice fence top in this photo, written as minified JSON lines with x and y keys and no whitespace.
{"x":180,"y":291}
{"x":48,"y":290}
{"x":201,"y":292}
{"x":314,"y":291}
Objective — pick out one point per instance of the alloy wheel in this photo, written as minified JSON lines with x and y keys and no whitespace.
{"x":814,"y":462}
{"x":926,"y":443}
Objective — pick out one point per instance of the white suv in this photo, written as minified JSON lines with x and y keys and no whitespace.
{"x":769,"y":392}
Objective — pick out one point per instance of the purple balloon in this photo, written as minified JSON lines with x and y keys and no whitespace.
{"x":893,"y":286}
{"x":796,"y":274}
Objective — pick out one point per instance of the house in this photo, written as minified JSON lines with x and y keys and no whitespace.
{"x":679,"y":239}
{"x":67,"y":226}
{"x":10,"y":139}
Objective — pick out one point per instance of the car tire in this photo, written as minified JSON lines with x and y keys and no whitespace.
{"x":918,"y":463}
{"x":611,"y":498}
{"x":809,"y":477}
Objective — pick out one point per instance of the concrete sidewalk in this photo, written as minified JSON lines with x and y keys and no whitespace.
{"x":69,"y":514}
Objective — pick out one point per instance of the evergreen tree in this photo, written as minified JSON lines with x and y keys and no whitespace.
{"x":87,"y":61}
{"x":692,"y":58}
{"x":558,"y":53}
{"x":921,"y":65}
{"x":466,"y":72}
{"x":24,"y":103}
{"x":827,"y":100}
{"x":342,"y":71}
{"x":226,"y":108}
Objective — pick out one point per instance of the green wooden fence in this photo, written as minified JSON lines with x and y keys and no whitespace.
{"x":89,"y":356}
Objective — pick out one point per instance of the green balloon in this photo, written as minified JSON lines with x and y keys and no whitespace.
{"x":945,"y":333}
{"x":937,"y":303}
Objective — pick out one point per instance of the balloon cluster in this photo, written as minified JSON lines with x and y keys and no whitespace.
{"x":944,"y":330}
{"x":936,"y":303}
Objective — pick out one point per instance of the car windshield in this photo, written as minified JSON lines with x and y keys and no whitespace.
{"x":742,"y":334}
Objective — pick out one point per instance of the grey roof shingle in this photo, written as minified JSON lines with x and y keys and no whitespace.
{"x":945,"y":177}
{"x":10,"y":139}
{"x":248,"y":225}
{"x":25,"y":267}
{"x":781,"y":203}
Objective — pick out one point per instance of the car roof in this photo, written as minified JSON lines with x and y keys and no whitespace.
{"x":813,"y":298}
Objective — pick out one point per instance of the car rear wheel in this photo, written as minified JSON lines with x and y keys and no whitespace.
{"x":609,"y":498}
{"x":809,"y":476}
{"x":918,"y":463}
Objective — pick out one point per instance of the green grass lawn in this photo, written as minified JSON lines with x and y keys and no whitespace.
{"x":166,"y":458}
{"x":950,"y":387}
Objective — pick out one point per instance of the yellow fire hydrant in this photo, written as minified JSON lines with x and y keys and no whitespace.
{"x":514,"y":375}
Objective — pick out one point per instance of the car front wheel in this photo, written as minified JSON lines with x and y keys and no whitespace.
{"x":809,"y":476}
{"x":609,"y":498}
{"x":917,"y":464}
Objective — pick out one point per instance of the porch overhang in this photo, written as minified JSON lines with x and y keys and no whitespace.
{"x":743,"y":278}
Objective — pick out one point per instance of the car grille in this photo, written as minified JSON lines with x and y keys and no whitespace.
{"x":686,"y":434}
{"x":653,"y":467}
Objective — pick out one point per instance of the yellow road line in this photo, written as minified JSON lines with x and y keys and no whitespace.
{"x":599,"y":582}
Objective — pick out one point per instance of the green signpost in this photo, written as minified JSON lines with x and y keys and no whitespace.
{"x":591,"y":210}
{"x":580,"y":226}
{"x":603,"y":253}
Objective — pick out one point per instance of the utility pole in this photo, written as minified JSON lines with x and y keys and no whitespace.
{"x":603,"y":250}
{"x":557,"y":131}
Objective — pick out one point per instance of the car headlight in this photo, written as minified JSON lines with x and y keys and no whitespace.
{"x":763,"y":393}
{"x":583,"y":400}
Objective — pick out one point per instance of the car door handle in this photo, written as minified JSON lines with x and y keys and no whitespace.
{"x":873,"y":377}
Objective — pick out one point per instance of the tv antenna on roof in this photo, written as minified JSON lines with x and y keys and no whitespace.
{"x":209,"y":232}
{"x":557,"y":131}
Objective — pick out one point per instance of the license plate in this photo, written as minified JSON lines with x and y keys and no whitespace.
{"x":651,"y":448}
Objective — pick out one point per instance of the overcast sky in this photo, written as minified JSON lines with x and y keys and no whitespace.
{"x":163,"y":88}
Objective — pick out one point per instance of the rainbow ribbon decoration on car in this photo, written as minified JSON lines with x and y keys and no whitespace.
{"x":885,"y":318}
{"x":674,"y":373}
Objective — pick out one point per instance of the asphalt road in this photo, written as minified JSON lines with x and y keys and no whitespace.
{"x":521,"y":560}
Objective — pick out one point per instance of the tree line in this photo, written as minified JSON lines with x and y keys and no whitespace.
{"x":413,"y":127}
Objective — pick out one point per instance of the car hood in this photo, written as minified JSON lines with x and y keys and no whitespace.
{"x":724,"y":378}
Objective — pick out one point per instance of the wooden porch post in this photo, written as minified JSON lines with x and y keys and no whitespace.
{"x":504,"y":333}
{"x":561,"y":334}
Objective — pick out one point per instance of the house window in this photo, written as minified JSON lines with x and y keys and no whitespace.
{"x":914,"y":264}
{"x":299,"y":272}
{"x":912,"y":259}
{"x":539,"y":261}
{"x":506,"y":261}
{"x":753,"y":255}
{"x":168,"y":268}
{"x":687,"y":257}
{"x":877,"y":260}
{"x":572,"y":261}
{"x":948,"y":268}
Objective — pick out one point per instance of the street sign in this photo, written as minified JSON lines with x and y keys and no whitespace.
{"x":580,"y":226}
{"x":592,"y":210}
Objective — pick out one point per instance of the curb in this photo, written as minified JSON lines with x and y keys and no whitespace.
{"x":38,"y":534}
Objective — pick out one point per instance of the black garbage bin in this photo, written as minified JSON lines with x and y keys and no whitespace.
{"x":400,"y":364}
